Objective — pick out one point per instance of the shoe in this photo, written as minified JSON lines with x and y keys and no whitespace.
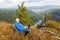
{"x":28,"y":26}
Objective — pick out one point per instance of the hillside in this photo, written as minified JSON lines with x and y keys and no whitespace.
{"x":6,"y":14}
{"x":56,"y":15}
{"x":7,"y":32}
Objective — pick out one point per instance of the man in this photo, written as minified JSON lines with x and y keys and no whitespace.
{"x":20,"y":28}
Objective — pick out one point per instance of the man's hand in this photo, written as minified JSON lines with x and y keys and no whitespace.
{"x":26,"y":27}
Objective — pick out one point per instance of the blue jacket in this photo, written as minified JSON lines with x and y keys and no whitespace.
{"x":19,"y":27}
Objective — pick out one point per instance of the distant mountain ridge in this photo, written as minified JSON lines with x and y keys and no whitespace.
{"x":8,"y":13}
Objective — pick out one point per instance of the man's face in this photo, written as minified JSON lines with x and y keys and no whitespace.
{"x":17,"y":20}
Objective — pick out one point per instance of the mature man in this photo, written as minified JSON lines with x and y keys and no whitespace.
{"x":20,"y":28}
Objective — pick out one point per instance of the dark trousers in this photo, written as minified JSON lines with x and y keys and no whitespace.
{"x":26,"y":31}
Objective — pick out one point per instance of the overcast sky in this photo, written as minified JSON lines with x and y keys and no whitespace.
{"x":14,"y":3}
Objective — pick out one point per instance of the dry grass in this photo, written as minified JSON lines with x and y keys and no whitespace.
{"x":7,"y":32}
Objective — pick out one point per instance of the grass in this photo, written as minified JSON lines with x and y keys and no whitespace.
{"x":7,"y":32}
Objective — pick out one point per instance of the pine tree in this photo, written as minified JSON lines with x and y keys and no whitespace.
{"x":23,"y":14}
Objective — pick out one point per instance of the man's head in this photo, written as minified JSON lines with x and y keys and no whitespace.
{"x":17,"y":20}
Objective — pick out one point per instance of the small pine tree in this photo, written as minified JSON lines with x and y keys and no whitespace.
{"x":23,"y":15}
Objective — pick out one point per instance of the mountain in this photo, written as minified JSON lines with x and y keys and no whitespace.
{"x":44,"y":7}
{"x":37,"y":11}
{"x":6,"y":14}
{"x":56,"y":15}
{"x":41,"y":10}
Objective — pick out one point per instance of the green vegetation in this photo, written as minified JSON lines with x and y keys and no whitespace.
{"x":56,"y":15}
{"x":56,"y":12}
{"x":6,"y":14}
{"x":24,"y":15}
{"x":49,"y":15}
